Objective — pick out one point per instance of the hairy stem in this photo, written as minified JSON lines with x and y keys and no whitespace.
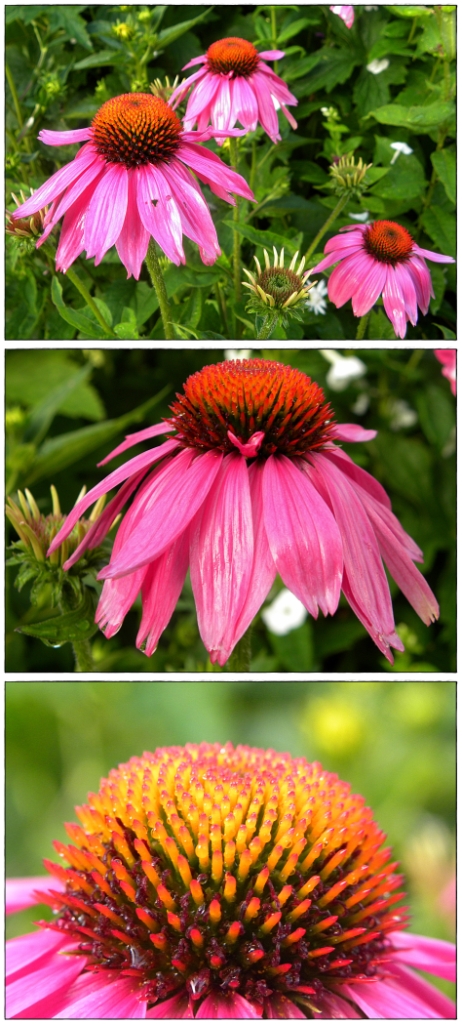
{"x":83,"y":656}
{"x":267,"y":326}
{"x":327,"y":224}
{"x":362,"y":326}
{"x":157,"y":279}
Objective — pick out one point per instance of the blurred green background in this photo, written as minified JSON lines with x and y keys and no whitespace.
{"x":393,"y":741}
{"x":67,"y":409}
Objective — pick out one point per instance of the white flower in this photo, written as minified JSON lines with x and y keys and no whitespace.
{"x":377,"y":66}
{"x":238,"y":353}
{"x":400,"y":147}
{"x":284,"y":614}
{"x":401,"y":415}
{"x":361,"y":405}
{"x":344,"y":369}
{"x":315,"y":300}
{"x":359,"y":216}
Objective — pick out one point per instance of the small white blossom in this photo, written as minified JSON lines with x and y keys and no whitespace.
{"x":377,"y":66}
{"x":284,"y":614}
{"x":400,"y":147}
{"x":344,"y":369}
{"x":238,"y":353}
{"x":401,"y":414}
{"x":361,"y":405}
{"x":360,"y":216}
{"x":315,"y":300}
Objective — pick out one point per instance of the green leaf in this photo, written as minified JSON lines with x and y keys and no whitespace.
{"x":333,"y":67}
{"x":32,"y":374}
{"x":66,"y":17}
{"x":101,"y":59}
{"x":127,"y":330}
{"x":379,"y":327}
{"x":440,"y":225}
{"x":42,"y":415}
{"x":444,"y":162}
{"x":447,"y":334}
{"x":266,"y":239}
{"x":409,"y":11}
{"x":59,"y":452}
{"x":417,"y":119}
{"x":67,"y":627}
{"x":168,"y":35}
{"x":295,"y":650}
{"x":407,"y":466}
{"x":88,"y":326}
{"x":436,"y":409}
{"x":404,"y":179}
{"x":292,"y":29}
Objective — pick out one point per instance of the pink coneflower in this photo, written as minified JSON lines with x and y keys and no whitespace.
{"x":132,"y":180}
{"x":218,"y":882}
{"x":447,"y":356}
{"x":252,"y":484}
{"x":380,"y":259}
{"x":345,"y":11}
{"x":233,"y":85}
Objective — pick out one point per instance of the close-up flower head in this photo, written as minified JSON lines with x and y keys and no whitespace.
{"x":251,"y":483}
{"x":214,"y":881}
{"x":234,"y":84}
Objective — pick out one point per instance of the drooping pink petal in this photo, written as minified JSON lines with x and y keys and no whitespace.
{"x":405,"y":283}
{"x":64,"y":138}
{"x":402,"y":569}
{"x":266,"y":109}
{"x":393,"y":303}
{"x":448,"y":358}
{"x":303,"y":536}
{"x":178,"y":1007}
{"x":165,"y":210}
{"x":436,"y":257}
{"x":391,"y":998}
{"x":91,"y":176}
{"x":161,"y":589}
{"x":98,"y":530}
{"x":364,"y":479}
{"x":106,"y":212}
{"x":441,"y":1005}
{"x":352,"y":432}
{"x":100,"y":996}
{"x":47,"y":977}
{"x":137,"y":438}
{"x":34,"y":948}
{"x":221,"y":557}
{"x":422,"y":282}
{"x":354,"y":237}
{"x":165,"y":508}
{"x":361,"y":276}
{"x":195,"y":60}
{"x":117,"y":596}
{"x":132,"y":243}
{"x":384,"y":643}
{"x":363,"y":564}
{"x":279,"y":1007}
{"x":55,"y":186}
{"x":330,"y":1006}
{"x":22,"y":892}
{"x":196,"y":219}
{"x":230,"y":1007}
{"x":334,"y":257}
{"x":72,"y":237}
{"x":370,"y":285}
{"x":133,"y":466}
{"x":433,"y":955}
{"x":272,"y":54}
{"x":202,"y":98}
{"x":213,"y":171}
{"x":245,"y":104}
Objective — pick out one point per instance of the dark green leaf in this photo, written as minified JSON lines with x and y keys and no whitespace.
{"x":444,"y":162}
{"x":67,"y":627}
{"x":42,"y":415}
{"x":436,"y":409}
{"x":168,"y":35}
{"x":417,"y":119}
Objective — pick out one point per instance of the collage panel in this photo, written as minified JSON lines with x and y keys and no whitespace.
{"x":270,"y":510}
{"x":245,"y":850}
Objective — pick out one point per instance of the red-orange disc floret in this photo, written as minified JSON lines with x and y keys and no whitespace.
{"x":250,"y":395}
{"x":135,"y":129}
{"x":219,"y":869}
{"x":388,"y":242}
{"x":233,"y":55}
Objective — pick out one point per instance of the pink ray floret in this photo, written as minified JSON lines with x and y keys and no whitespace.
{"x":134,"y":179}
{"x":448,"y":358}
{"x":344,"y":11}
{"x":234,"y":84}
{"x":241,"y":496}
{"x":380,"y":259}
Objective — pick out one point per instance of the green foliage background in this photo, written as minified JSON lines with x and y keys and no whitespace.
{"x":64,"y":61}
{"x":394,"y":742}
{"x":66,"y":410}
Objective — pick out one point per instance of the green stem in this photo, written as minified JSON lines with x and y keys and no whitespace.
{"x":266,"y":328}
{"x":240,"y":658}
{"x":17,"y":105}
{"x":71,"y":274}
{"x":157,"y":279}
{"x":361,"y":332}
{"x":222,"y":305}
{"x":83,"y":656}
{"x":234,"y":152}
{"x":327,"y":224}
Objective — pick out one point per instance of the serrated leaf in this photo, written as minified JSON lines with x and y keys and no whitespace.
{"x":444,"y":162}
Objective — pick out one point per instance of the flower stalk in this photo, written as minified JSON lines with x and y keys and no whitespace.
{"x":327,"y":224}
{"x":157,"y":278}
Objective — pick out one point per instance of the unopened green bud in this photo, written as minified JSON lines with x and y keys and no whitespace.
{"x":348,"y":175}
